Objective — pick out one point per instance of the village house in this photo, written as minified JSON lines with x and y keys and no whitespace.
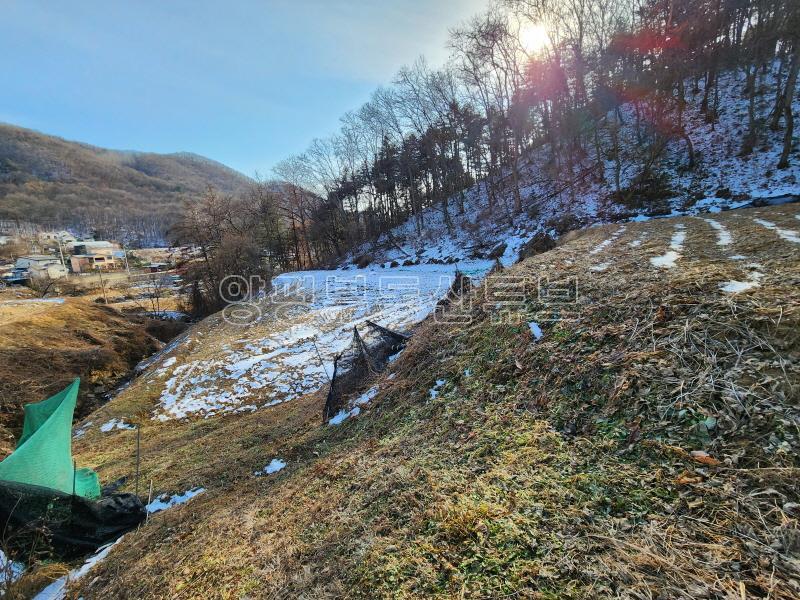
{"x":157,"y":267}
{"x":101,"y":259}
{"x":90,"y":256}
{"x":90,"y":246}
{"x":63,"y":237}
{"x":40,"y":266}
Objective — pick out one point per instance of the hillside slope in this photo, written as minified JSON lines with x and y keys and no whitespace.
{"x":46,"y":343}
{"x":636,"y":440}
{"x":557,"y":200}
{"x":49,"y":180}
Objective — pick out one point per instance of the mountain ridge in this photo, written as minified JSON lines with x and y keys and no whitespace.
{"x":53,"y":181}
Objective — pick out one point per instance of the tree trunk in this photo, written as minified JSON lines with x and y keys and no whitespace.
{"x":777,"y":109}
{"x":749,"y":141}
{"x":599,"y":152}
{"x":709,"y":83}
{"x":689,"y":149}
{"x":791,"y":81}
{"x":515,"y":178}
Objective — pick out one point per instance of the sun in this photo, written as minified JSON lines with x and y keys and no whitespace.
{"x":533,"y":37}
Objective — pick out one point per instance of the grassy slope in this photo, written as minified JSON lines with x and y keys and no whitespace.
{"x":45,"y":345}
{"x":557,"y":468}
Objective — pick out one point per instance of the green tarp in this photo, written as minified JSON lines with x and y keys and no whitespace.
{"x":43,"y":456}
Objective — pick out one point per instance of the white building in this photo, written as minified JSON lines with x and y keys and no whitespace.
{"x":41,"y":266}
{"x":36,"y":260}
{"x":53,"y":271}
{"x":64,"y":237}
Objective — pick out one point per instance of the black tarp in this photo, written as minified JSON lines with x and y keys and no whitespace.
{"x":361,"y":359}
{"x":461,"y":285}
{"x":42,"y":521}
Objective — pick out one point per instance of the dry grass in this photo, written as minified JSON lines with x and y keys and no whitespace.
{"x":553,"y":469}
{"x":45,"y":345}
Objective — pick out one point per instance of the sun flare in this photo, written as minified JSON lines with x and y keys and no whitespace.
{"x":533,"y":37}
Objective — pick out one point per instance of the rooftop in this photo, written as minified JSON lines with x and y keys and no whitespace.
{"x":40,"y":257}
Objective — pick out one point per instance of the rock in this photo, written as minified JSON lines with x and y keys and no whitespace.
{"x":363,"y":261}
{"x":498,"y":251}
{"x":564,"y":224}
{"x":538,"y":244}
{"x":394,"y":264}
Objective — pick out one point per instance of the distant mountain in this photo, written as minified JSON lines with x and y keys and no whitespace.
{"x":135,"y":195}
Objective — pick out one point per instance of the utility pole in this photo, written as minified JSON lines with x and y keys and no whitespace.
{"x":102,"y":284}
{"x":125,"y":254}
{"x":138,"y":453}
{"x":61,"y":252}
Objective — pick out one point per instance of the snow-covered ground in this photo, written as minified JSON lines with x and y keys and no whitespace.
{"x":165,"y":501}
{"x":275,"y":465}
{"x":667,"y":260}
{"x":10,"y":571}
{"x":287,"y":347}
{"x":721,"y":180}
{"x":58,"y":589}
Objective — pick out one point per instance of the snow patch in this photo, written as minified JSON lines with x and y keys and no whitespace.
{"x":790,"y":235}
{"x":752,"y":281}
{"x":115,"y":424}
{"x":165,"y":501}
{"x":600,"y":267}
{"x":343,"y":415}
{"x":81,"y":431}
{"x":58,"y":589}
{"x":366,"y":397}
{"x":10,"y":571}
{"x":667,"y":261}
{"x":273,"y":467}
{"x":724,"y":237}
{"x":355,"y":409}
{"x":167,"y":315}
{"x":434,"y":391}
{"x":25,"y":301}
{"x":606,"y":243}
{"x":734,"y":287}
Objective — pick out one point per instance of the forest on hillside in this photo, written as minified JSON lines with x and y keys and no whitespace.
{"x":134,"y":197}
{"x":584,"y":84}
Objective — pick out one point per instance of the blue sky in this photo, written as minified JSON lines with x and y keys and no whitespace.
{"x":245,"y":82}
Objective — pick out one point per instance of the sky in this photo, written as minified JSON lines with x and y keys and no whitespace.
{"x":244,"y":82}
